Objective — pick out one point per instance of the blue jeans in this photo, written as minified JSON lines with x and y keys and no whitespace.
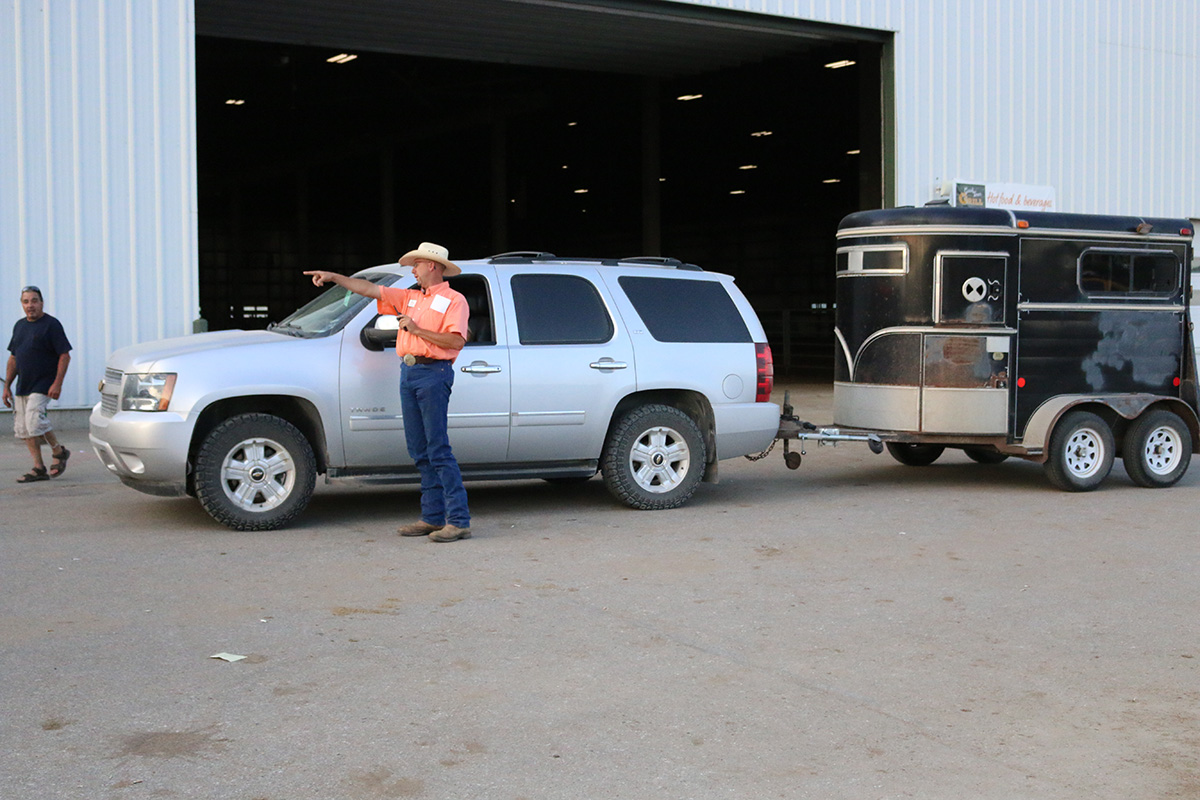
{"x":424,"y":400}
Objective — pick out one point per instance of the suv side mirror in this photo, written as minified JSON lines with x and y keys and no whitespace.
{"x":379,"y":333}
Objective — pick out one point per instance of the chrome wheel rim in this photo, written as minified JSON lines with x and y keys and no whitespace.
{"x":1163,"y":450}
{"x":258,"y":474}
{"x":659,"y":460}
{"x":1084,"y":453}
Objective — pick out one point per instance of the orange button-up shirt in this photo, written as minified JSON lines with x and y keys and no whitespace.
{"x":440,"y":309}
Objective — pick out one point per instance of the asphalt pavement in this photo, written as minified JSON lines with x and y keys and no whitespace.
{"x":853,"y":629}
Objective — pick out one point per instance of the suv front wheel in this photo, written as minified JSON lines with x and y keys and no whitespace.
{"x":255,"y":472}
{"x":654,"y":457}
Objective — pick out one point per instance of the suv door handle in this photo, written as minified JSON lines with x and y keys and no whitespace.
{"x":479,"y":368}
{"x":608,"y":364}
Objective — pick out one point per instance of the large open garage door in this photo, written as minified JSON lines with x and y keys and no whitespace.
{"x":338,"y":135}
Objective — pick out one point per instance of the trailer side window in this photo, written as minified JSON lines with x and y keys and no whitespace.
{"x":875,"y":259}
{"x":1128,"y":272}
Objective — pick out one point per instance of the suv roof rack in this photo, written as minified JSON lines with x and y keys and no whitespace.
{"x":520,"y":255}
{"x":660,"y":261}
{"x":530,"y":256}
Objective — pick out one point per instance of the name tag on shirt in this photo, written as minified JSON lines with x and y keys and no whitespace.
{"x":412,"y":303}
{"x":440,"y":304}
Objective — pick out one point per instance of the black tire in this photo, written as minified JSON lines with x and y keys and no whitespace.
{"x":255,"y":472}
{"x":654,"y":457}
{"x":1157,"y":449}
{"x":984,"y":455}
{"x":1081,"y":452}
{"x":915,"y":455}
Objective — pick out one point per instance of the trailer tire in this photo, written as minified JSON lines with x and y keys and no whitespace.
{"x":1081,"y":452}
{"x":915,"y":455}
{"x":654,"y":457}
{"x":255,"y":472}
{"x":1157,"y":449}
{"x":985,"y":455}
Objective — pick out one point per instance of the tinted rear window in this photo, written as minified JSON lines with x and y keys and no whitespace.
{"x":559,"y":309}
{"x":677,"y":310}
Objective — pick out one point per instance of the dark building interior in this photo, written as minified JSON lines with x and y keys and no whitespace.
{"x":741,"y":165}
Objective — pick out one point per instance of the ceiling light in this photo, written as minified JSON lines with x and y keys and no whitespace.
{"x":761,"y":133}
{"x":748,"y":166}
{"x":341,"y":58}
{"x":738,"y":191}
{"x":581,"y":191}
{"x":832,"y":180}
{"x":853,"y":152}
{"x":232,"y":102}
{"x":686,"y":97}
{"x":840,"y":64}
{"x":572,"y":124}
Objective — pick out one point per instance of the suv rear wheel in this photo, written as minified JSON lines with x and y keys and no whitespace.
{"x":654,"y":457}
{"x":255,"y":472}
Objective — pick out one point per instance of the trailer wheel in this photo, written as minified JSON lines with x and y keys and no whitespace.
{"x":915,"y":455}
{"x":654,"y":457}
{"x":1081,"y":452}
{"x":1158,"y":448}
{"x":255,"y":472}
{"x":985,"y":455}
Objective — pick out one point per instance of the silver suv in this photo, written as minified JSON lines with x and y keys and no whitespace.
{"x":647,"y":370}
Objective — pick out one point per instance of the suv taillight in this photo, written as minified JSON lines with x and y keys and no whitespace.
{"x":766,"y":373}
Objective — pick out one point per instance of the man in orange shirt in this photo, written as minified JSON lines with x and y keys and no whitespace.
{"x":433,"y":329}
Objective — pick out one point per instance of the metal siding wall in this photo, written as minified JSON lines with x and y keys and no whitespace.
{"x":97,"y":158}
{"x":1097,"y":98}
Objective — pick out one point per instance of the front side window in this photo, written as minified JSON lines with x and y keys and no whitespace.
{"x":1148,"y":273}
{"x":559,"y":309}
{"x":680,"y":310}
{"x":329,"y":311}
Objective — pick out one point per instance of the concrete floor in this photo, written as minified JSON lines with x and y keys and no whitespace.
{"x":854,"y":629}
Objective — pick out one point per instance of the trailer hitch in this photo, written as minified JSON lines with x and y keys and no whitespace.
{"x":792,"y":427}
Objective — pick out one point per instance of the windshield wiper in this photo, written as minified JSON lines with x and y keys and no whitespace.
{"x":287,"y":329}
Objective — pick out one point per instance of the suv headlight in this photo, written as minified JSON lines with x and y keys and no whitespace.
{"x":147,"y":391}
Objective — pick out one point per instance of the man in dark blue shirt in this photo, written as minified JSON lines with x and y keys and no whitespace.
{"x":38,"y":364}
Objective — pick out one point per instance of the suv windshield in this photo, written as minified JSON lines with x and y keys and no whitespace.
{"x":328,"y":312}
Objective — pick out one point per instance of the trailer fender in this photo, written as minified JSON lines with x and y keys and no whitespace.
{"x":1127,"y":406}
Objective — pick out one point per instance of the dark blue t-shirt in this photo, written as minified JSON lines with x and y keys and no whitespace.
{"x":37,"y":346}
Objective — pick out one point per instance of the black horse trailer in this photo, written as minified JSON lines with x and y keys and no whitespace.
{"x":1059,"y":338}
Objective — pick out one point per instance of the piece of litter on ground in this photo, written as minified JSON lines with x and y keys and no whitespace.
{"x":227,"y":656}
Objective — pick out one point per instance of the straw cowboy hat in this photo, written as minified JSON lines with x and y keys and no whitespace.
{"x":432,"y":252}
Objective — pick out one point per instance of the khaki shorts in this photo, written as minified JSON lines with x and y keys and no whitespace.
{"x":29,"y":415}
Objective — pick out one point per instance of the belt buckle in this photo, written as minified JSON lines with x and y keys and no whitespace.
{"x":410,"y":359}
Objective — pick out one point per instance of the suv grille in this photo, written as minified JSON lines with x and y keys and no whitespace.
{"x":110,"y":395}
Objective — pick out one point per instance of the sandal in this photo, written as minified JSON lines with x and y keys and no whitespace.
{"x":34,"y":475}
{"x":59,"y":465}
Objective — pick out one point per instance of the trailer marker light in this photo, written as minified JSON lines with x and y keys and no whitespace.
{"x":1022,"y":223}
{"x":1020,"y":383}
{"x":1177,"y":381}
{"x":1185,"y":231}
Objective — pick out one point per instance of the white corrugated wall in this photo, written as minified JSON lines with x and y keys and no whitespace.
{"x":1097,"y":98}
{"x":98,"y":173}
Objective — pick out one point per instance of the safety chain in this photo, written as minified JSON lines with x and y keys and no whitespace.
{"x":764,"y":453}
